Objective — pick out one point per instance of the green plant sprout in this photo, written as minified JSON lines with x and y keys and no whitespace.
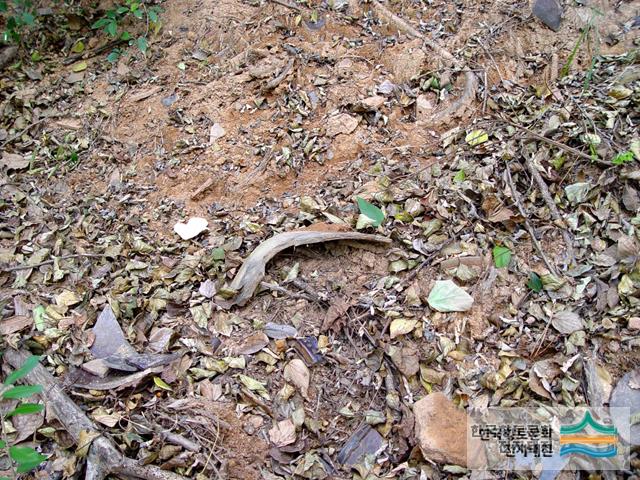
{"x":19,"y":15}
{"x":113,"y":19}
{"x":23,"y":459}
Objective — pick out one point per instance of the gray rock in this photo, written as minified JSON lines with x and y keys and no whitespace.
{"x":548,"y":12}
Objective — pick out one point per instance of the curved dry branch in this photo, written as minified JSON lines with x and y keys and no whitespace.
{"x":252,"y":270}
{"x":458,"y":107}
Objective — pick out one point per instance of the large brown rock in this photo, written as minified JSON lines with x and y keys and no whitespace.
{"x":441,"y":429}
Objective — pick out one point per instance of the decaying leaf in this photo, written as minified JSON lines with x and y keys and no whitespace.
{"x":566,"y":322}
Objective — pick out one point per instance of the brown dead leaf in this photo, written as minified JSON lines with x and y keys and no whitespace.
{"x":13,"y":161}
{"x":338,"y":308}
{"x":297,"y":373}
{"x":15,"y":324}
{"x":252,"y":344}
{"x":283,"y":433}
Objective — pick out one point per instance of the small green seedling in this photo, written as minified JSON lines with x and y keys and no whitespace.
{"x":23,"y":459}
{"x":111,"y":23}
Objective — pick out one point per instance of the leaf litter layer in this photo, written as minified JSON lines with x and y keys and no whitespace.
{"x":529,"y":209}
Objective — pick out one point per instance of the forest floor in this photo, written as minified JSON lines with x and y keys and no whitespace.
{"x":268,"y":117}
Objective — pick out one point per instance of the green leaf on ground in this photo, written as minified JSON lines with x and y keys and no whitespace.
{"x":535,"y":282}
{"x":476,"y":137}
{"x":161,"y":384}
{"x":501,"y":256}
{"x":622,"y":158}
{"x":26,"y":409}
{"x":22,"y":391}
{"x":142,"y":44}
{"x":371,"y":211}
{"x":29,"y":364}
{"x":460,"y":176}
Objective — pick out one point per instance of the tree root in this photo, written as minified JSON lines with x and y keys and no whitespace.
{"x":458,"y":107}
{"x":103,"y":458}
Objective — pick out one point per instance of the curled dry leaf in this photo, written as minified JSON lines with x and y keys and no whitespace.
{"x":297,"y":373}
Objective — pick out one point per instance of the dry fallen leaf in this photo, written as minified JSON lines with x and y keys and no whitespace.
{"x":401,"y":326}
{"x":566,"y":322}
{"x":297,"y":373}
{"x":14,"y":161}
{"x":283,"y":433}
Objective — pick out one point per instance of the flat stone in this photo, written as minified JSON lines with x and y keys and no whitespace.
{"x":548,"y":12}
{"x":341,"y":123}
{"x":441,"y":430}
{"x":634,"y":323}
{"x":424,"y":107}
{"x":370,"y":104}
{"x":364,"y":441}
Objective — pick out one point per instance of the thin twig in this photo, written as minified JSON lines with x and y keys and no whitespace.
{"x":49,"y":262}
{"x":274,"y":82}
{"x":555,"y":143}
{"x":23,"y":131}
{"x":555,"y":213}
{"x":532,"y":233}
{"x":286,"y":4}
{"x":277,"y":288}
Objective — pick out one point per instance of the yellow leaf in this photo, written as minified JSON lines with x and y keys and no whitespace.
{"x":401,"y":326}
{"x":476,"y":137}
{"x":78,"y":47}
{"x":79,"y":67}
{"x":85,"y":441}
{"x":161,"y":384}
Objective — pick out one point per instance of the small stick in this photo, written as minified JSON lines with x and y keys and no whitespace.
{"x":551,"y":204}
{"x":277,"y":288}
{"x":555,"y":143}
{"x":288,"y":5}
{"x":274,"y":82}
{"x":49,"y":262}
{"x":202,"y":188}
{"x":532,"y":233}
{"x":23,"y":131}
